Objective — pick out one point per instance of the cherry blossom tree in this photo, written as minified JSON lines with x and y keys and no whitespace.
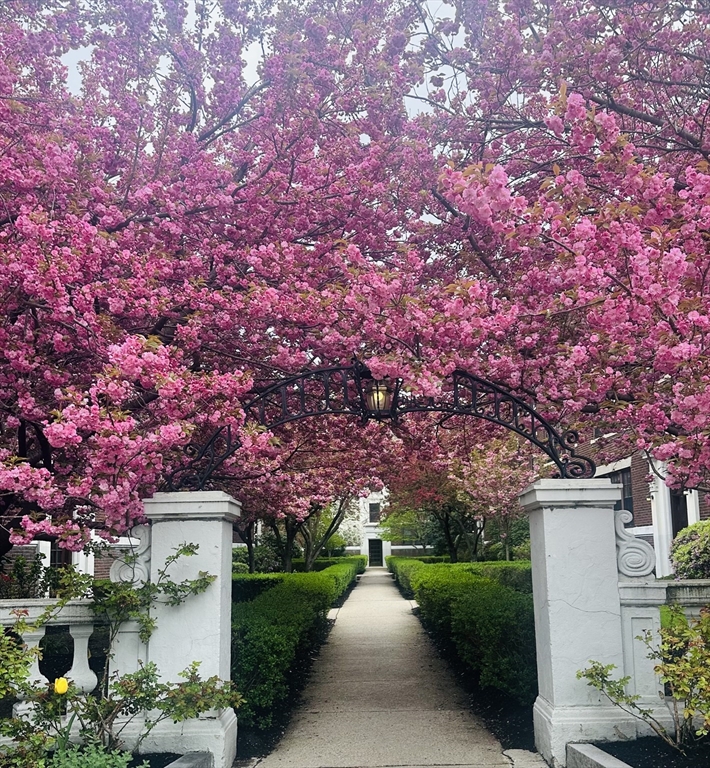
{"x":458,"y":489}
{"x":423,"y":490}
{"x":520,"y":190}
{"x":490,"y":479}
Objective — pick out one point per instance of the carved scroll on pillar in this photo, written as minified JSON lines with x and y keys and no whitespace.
{"x":634,"y":557}
{"x":133,"y":564}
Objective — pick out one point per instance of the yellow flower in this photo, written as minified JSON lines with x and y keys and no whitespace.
{"x":61,"y":685}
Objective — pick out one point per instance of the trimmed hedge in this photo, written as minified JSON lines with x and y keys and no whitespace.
{"x":403,"y":569}
{"x":435,"y":588}
{"x":272,"y":632}
{"x":248,"y":586}
{"x":514,"y":574}
{"x":493,"y":630}
{"x":422,"y":559}
{"x":325,"y":562}
{"x":472,"y":610}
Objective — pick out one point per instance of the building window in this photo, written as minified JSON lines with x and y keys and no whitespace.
{"x":58,"y":556}
{"x":375,"y":512}
{"x":623,"y":477}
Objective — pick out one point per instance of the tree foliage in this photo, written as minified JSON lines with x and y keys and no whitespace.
{"x":520,"y":190}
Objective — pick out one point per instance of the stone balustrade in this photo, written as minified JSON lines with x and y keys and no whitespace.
{"x":198,"y":629}
{"x":77,"y":616}
{"x":691,"y":595}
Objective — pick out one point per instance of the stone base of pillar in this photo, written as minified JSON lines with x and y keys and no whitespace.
{"x":214,"y":732}
{"x":555,"y":727}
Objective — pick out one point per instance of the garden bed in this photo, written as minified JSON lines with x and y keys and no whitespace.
{"x":509,"y":721}
{"x":161,"y":760}
{"x":652,"y":752}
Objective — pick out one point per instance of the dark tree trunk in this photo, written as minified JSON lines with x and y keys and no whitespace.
{"x":313,"y":547}
{"x":247,"y":532}
{"x":286,"y":541}
{"x":451,"y":540}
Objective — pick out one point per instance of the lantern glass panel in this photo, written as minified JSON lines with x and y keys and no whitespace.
{"x":379,"y":397}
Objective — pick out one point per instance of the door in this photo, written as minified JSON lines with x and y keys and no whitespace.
{"x":679,"y":511}
{"x":375,"y":552}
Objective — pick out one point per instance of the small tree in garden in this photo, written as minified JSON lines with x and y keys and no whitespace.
{"x":422,"y":490}
{"x":320,"y":529}
{"x":459,"y":495}
{"x":414,"y":526}
{"x":490,"y":479}
{"x":683,"y":655}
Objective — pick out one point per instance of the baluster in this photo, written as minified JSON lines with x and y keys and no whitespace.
{"x":31,"y":638}
{"x":81,"y":673}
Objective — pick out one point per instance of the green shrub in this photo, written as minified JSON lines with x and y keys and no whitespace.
{"x":322,"y":563}
{"x":522,"y":551}
{"x":272,"y":631}
{"x":247,"y":586}
{"x":403,"y":568}
{"x":91,"y":756}
{"x":484,"y":613}
{"x":435,"y":588}
{"x":494,"y":551}
{"x":389,"y":560}
{"x":240,"y":568}
{"x":266,"y":556}
{"x":21,"y":578}
{"x":493,"y":630}
{"x":690,"y":551}
{"x":683,"y":658}
{"x":515,"y":574}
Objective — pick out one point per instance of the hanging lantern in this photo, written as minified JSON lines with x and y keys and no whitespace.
{"x":378,"y":397}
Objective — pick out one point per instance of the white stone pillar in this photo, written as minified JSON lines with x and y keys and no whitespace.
{"x":693,"y":502}
{"x":199,"y":629}
{"x":662,"y":521}
{"x":577,"y":611}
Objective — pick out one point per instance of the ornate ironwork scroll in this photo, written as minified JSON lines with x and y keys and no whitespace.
{"x":339,"y":390}
{"x":318,"y":392}
{"x":473,"y":396}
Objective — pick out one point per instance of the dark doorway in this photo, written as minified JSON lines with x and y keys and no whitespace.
{"x":375,"y":552}
{"x":679,"y":511}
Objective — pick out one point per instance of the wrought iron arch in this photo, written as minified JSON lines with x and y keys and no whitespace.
{"x":352,"y":390}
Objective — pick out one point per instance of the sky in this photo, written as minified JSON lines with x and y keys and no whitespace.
{"x":252,"y":56}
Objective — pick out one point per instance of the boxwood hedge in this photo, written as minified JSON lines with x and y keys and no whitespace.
{"x":247,"y":586}
{"x":325,"y":562}
{"x":482,"y":613}
{"x":274,"y":633}
{"x":493,"y":630}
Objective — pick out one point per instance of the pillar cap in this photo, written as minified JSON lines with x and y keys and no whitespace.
{"x":192,"y":505}
{"x":556,"y":493}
